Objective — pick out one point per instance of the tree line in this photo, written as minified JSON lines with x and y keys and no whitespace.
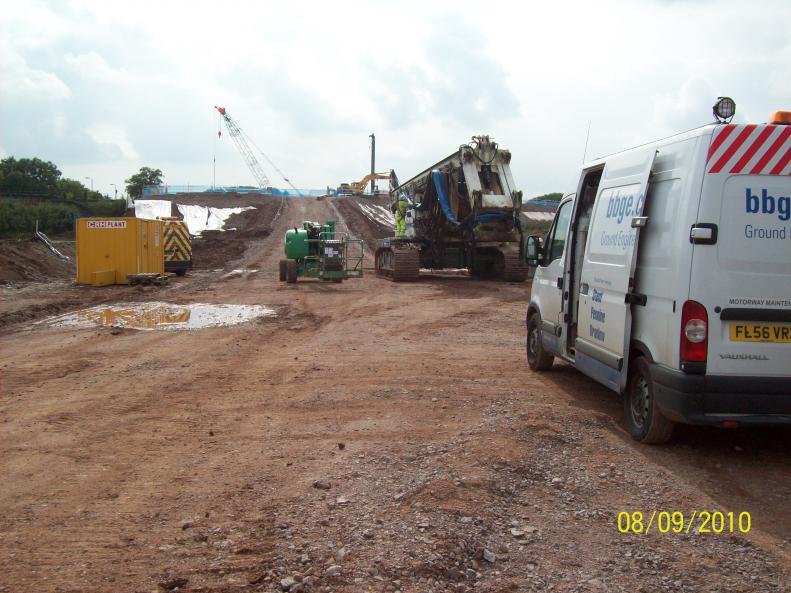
{"x":36,"y":177}
{"x":56,"y":201}
{"x":40,"y":178}
{"x":550,"y":197}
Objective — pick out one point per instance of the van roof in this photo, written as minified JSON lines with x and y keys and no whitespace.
{"x":704,"y":130}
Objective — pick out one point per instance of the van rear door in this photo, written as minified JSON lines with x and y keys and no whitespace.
{"x":605,"y":292}
{"x":741,"y":262}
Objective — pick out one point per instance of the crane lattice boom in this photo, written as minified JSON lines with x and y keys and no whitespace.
{"x":247,"y":154}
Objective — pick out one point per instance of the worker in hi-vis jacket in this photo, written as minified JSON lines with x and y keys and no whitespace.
{"x":400,"y":216}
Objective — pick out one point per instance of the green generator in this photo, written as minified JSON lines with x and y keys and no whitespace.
{"x":320,"y":251}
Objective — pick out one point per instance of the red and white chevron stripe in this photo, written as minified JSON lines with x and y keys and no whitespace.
{"x":750,"y":150}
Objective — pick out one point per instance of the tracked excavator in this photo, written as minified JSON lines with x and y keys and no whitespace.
{"x":463,"y":212}
{"x":358,"y":187}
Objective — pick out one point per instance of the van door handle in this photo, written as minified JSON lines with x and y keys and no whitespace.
{"x":635,"y":298}
{"x":703,"y":233}
{"x":560,"y":283}
{"x":584,"y":288}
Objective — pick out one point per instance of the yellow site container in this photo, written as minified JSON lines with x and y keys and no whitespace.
{"x":110,"y":248}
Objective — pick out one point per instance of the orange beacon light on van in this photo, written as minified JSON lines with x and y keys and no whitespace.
{"x":781,"y":117}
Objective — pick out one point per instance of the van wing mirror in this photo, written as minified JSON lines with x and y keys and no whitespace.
{"x":534,"y":250}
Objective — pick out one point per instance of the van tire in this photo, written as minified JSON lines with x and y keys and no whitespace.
{"x":643,"y":419}
{"x":538,"y":359}
{"x":291,"y":271}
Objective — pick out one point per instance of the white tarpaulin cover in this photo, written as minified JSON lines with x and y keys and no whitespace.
{"x":545,"y":216}
{"x":378,"y":214}
{"x":206,"y":218}
{"x":152,"y":209}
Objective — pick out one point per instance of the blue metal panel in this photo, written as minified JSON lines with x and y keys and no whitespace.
{"x":607,"y":376}
{"x":442,"y":197}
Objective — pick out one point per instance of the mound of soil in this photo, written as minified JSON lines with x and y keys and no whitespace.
{"x":359,"y":224}
{"x":219,"y":249}
{"x":30,"y":260}
{"x":222,"y":200}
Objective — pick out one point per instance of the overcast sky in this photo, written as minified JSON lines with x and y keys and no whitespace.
{"x":103,"y":88}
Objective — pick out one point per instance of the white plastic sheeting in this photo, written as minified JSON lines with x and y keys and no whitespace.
{"x":538,"y":215}
{"x":378,"y":214}
{"x":152,"y":209}
{"x":206,"y":218}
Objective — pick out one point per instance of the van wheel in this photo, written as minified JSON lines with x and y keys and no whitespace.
{"x":643,"y":419}
{"x":282,"y":270}
{"x":537,"y":358}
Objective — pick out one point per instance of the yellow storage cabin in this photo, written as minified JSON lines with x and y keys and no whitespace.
{"x":109,"y":249}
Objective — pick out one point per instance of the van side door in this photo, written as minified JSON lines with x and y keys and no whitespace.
{"x":548,"y":287}
{"x":606,"y":294}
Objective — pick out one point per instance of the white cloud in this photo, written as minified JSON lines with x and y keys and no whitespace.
{"x":682,"y":109}
{"x":21,"y":82}
{"x":94,"y":68}
{"x":115,"y":136}
{"x":102,"y":89}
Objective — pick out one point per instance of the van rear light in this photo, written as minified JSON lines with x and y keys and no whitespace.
{"x":694,"y":332}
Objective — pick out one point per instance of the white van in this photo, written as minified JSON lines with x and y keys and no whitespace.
{"x":667,"y":278}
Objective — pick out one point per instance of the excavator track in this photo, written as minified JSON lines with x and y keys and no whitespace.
{"x":398,"y":265}
{"x":514,"y":269}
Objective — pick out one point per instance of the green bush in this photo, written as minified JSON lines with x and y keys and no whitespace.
{"x":102,"y":208}
{"x":18,"y":217}
{"x":550,"y":197}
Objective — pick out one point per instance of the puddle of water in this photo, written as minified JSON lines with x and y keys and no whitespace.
{"x":239,"y":272}
{"x":156,"y":315}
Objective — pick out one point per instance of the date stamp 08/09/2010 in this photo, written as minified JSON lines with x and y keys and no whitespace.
{"x":678,"y":522}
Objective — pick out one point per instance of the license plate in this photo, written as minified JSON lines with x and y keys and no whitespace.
{"x":761,"y":332}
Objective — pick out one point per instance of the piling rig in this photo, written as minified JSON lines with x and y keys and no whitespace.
{"x":463,"y":212}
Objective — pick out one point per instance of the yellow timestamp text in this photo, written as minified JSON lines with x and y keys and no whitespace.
{"x":678,"y":522}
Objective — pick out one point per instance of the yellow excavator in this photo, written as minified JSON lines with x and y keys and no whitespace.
{"x":358,"y":187}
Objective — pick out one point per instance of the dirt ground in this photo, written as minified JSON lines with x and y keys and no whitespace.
{"x":370,"y":437}
{"x":23,"y":260}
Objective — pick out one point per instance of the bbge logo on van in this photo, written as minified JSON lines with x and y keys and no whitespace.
{"x":620,"y":207}
{"x":767,"y":204}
